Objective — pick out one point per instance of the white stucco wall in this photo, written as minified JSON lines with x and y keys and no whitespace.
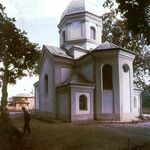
{"x":78,"y":54}
{"x":63,"y":104}
{"x":75,"y":29}
{"x":107,"y":101}
{"x":126,"y":86}
{"x":63,"y":110}
{"x":126,"y":93}
{"x":36,"y":100}
{"x":138,"y":100}
{"x":46,"y":100}
{"x":87,"y":70}
{"x":65,"y":73}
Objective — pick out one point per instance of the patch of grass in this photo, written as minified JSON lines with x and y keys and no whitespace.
{"x":10,"y":137}
{"x":84,"y":136}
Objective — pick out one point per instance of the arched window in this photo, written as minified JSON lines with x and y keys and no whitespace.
{"x":63,"y":37}
{"x":107,"y":77}
{"x":83,"y":102}
{"x":125,"y":68}
{"x":92,"y":33}
{"x":46,"y":83}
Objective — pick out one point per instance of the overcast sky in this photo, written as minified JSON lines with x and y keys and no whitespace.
{"x":39,"y":18}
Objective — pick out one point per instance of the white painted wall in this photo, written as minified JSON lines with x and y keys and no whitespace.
{"x":88,"y":71}
{"x":107,"y":101}
{"x":137,"y":98}
{"x":78,"y":54}
{"x":75,"y":30}
{"x":65,"y":73}
{"x":63,"y":103}
{"x":46,"y":104}
{"x":37,"y":105}
{"x":126,"y":92}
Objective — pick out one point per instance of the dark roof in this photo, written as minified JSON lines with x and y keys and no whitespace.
{"x":78,"y":6}
{"x":110,"y":46}
{"x":57,"y":51}
{"x":107,"y":45}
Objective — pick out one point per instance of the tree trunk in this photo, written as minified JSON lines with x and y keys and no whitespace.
{"x":4,"y":92}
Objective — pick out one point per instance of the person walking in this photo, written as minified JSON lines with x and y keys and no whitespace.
{"x":26,"y":121}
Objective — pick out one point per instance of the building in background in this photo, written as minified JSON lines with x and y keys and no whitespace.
{"x":22,"y":99}
{"x":85,"y":79}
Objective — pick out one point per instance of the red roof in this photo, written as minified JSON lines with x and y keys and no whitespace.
{"x":22,"y":102}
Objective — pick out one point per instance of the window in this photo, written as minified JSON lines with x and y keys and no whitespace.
{"x":107,"y":77}
{"x":125,"y":68}
{"x":135,"y":102}
{"x":83,"y":102}
{"x":63,"y":37}
{"x":92,"y":33}
{"x":46,"y":83}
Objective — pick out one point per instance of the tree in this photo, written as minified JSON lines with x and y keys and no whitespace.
{"x":18,"y":56}
{"x":137,"y":13}
{"x":116,"y":31}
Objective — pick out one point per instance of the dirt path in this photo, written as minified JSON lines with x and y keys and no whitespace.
{"x":85,"y":136}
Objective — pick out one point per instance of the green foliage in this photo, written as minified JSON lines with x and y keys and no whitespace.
{"x":116,"y":31}
{"x":146,"y":97}
{"x":137,"y":13}
{"x":18,"y":56}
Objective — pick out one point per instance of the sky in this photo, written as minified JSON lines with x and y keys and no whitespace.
{"x":39,"y":18}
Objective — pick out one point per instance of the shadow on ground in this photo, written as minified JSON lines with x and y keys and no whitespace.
{"x":73,"y":136}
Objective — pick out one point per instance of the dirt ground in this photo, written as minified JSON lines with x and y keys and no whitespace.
{"x":85,"y":136}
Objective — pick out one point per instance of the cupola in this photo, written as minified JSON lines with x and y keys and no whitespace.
{"x":81,"y":25}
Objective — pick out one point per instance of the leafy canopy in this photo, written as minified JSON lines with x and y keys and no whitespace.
{"x":116,"y":31}
{"x":18,"y":56}
{"x":137,"y":13}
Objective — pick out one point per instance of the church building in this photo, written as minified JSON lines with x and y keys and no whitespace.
{"x":85,"y":79}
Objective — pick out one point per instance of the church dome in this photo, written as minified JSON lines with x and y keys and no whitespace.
{"x":77,"y":6}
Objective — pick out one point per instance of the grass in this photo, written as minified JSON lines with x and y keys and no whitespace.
{"x":85,"y":136}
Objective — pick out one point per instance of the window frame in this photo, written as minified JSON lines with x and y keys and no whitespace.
{"x":83,"y":102}
{"x":46,"y":84}
{"x":92,"y":33}
{"x":107,"y":77}
{"x":64,"y":37}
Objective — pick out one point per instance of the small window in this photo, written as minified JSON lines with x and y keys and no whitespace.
{"x":107,"y":77}
{"x":125,"y":68}
{"x":92,"y":33}
{"x":135,"y":102}
{"x":83,"y":102}
{"x":63,"y":37}
{"x":46,"y":84}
